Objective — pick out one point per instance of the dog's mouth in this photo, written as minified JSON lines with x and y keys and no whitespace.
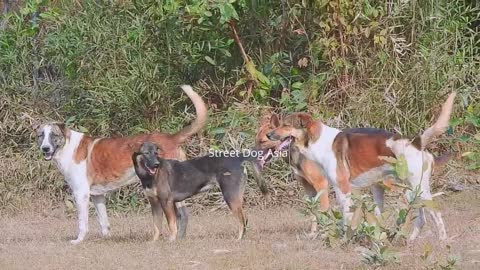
{"x":48,"y":155}
{"x":150,"y":171}
{"x":284,"y":144}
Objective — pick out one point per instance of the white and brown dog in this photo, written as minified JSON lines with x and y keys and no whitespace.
{"x":352,"y":160}
{"x":94,"y":166}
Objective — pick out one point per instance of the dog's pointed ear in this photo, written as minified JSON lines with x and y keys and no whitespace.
{"x":304,"y":120}
{"x":313,"y":130}
{"x":274,"y":120}
{"x":159,"y":150}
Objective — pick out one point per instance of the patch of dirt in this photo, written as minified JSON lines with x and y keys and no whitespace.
{"x":275,"y":240}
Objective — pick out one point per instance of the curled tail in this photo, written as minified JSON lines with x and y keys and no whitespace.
{"x":199,"y":122}
{"x":441,"y":124}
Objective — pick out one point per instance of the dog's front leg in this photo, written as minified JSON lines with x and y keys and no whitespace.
{"x":169,"y":209}
{"x":82,"y":197}
{"x":157,"y":215}
{"x":99,"y":202}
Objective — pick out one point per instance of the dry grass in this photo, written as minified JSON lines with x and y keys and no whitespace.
{"x":274,"y":241}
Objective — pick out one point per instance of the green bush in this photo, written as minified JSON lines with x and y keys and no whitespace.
{"x":114,"y":69}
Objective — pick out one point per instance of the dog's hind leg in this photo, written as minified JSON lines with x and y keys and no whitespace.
{"x":157,"y":216}
{"x":426,"y":195}
{"x":438,"y":220}
{"x":232,"y":185}
{"x":182,"y":217}
{"x":237,"y":210}
{"x":378,"y":193}
{"x":99,"y":202}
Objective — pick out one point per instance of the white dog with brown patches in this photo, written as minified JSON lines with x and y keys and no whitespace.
{"x":353,"y":160}
{"x":94,"y":166}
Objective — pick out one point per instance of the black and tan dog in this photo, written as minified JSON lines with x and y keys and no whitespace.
{"x":168,"y":181}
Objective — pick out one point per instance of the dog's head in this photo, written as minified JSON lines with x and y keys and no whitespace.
{"x":263,"y":143}
{"x":50,"y":138}
{"x":277,"y":133}
{"x":297,"y":127}
{"x":146,"y":160}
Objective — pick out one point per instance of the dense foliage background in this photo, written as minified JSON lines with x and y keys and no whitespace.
{"x":113,"y":68}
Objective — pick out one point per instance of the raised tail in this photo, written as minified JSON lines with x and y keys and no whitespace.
{"x":441,"y":124}
{"x":199,"y":122}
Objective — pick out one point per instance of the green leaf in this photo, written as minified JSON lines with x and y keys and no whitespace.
{"x":402,"y":216}
{"x":297,"y":85}
{"x":401,"y":168}
{"x":82,"y":129}
{"x":430,"y":204}
{"x":262,"y":78}
{"x":210,"y":60}
{"x":241,"y":82}
{"x":390,"y":160}
{"x":227,"y":12}
{"x":218,"y":130}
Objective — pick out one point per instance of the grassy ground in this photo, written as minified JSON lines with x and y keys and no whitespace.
{"x":274,"y":241}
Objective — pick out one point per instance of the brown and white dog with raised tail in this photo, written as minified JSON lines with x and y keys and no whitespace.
{"x":305,"y":171}
{"x":353,"y":160}
{"x":93,"y":166}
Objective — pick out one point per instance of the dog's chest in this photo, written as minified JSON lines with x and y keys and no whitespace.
{"x":72,"y":171}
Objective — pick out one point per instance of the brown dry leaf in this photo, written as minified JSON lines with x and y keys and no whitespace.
{"x":303,"y":62}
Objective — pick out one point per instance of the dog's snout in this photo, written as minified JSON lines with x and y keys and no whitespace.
{"x":270,"y":135}
{"x":157,"y":163}
{"x":46,"y":149}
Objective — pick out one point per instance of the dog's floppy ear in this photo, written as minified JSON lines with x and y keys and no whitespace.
{"x":274,"y":120}
{"x":137,"y":164}
{"x":62,"y":128}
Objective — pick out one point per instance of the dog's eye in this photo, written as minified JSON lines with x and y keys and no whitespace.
{"x":40,"y":135}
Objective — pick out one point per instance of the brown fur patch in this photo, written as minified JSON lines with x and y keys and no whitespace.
{"x":112,"y":157}
{"x":314,"y":177}
{"x":363,"y":151}
{"x":274,"y":121}
{"x":81,"y":152}
{"x":417,"y":143}
{"x":314,"y":129}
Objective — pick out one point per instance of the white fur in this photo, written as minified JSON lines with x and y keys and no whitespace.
{"x":76,"y":177}
{"x":47,"y":130}
{"x":420,"y":166}
{"x":321,"y":151}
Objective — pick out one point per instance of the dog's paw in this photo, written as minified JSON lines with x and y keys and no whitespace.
{"x":76,"y":241}
{"x":105,"y":233}
{"x":311,"y":235}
